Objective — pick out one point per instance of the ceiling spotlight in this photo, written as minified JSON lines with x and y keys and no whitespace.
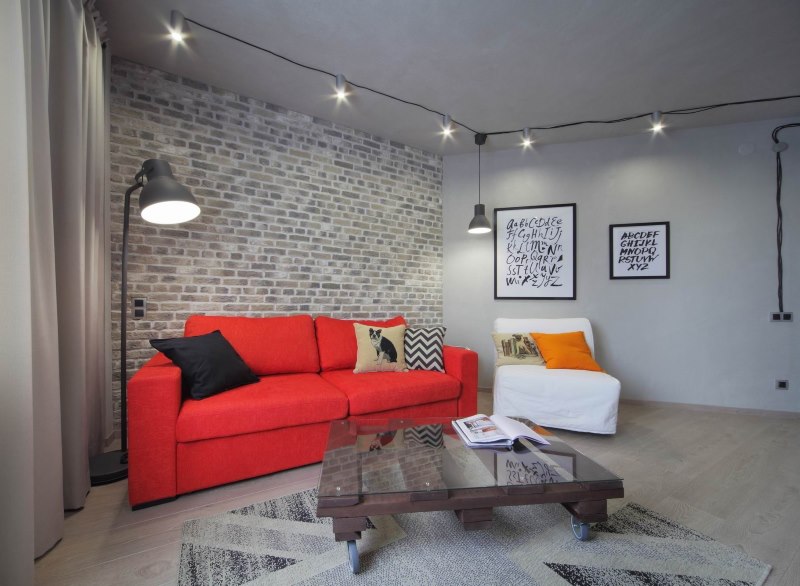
{"x":527,"y":138}
{"x":177,"y":26}
{"x":657,"y":120}
{"x":447,"y":125}
{"x":341,"y":87}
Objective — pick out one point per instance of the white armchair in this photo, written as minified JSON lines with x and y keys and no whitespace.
{"x":577,"y":400}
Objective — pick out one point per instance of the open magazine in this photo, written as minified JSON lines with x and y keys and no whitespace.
{"x":496,"y":431}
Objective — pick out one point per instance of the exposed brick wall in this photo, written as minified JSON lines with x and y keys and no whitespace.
{"x":299,"y":215}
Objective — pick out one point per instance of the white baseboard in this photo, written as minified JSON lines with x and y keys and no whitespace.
{"x":714,"y":408}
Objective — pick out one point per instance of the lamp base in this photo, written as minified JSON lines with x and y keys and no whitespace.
{"x":108,"y":467}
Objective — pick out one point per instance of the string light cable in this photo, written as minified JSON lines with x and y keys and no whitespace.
{"x":324,"y":72}
{"x":676,"y":112}
{"x":779,"y":147}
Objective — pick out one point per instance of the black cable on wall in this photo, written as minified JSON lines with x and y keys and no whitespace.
{"x":779,"y":147}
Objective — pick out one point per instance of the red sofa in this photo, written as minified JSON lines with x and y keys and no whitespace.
{"x":178,"y":445}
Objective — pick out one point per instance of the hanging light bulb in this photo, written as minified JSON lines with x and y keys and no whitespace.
{"x":527,"y":138}
{"x":177,"y":26}
{"x":657,"y":120}
{"x":341,"y":87}
{"x":480,"y":223}
{"x":447,"y":125}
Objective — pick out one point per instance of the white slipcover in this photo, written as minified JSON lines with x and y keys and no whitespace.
{"x":577,"y":400}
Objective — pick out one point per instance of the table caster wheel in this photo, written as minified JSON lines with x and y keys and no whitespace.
{"x":352,"y":552}
{"x":580,"y":530}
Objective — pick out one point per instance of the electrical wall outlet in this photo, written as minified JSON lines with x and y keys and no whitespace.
{"x":781,"y":316}
{"x":781,"y":384}
{"x":139,"y":307}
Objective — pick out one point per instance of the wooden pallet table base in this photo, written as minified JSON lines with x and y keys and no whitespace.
{"x":472,"y":506}
{"x":409,"y":477}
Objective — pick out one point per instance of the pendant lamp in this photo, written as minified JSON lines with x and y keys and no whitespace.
{"x":480,"y":223}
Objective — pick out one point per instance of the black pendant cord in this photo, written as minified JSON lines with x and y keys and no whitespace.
{"x":480,"y":140}
{"x":479,"y":173}
{"x":779,"y":226}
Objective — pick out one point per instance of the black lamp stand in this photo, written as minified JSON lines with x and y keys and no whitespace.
{"x":163,"y":201}
{"x":112,"y":466}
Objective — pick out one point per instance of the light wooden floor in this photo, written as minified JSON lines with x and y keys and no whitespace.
{"x":733,"y":476}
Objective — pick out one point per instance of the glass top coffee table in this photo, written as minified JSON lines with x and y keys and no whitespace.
{"x":418,"y":465}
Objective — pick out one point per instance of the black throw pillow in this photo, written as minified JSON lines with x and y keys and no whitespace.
{"x":208,"y":363}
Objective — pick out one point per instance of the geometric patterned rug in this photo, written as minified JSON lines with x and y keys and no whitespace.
{"x":282,"y":542}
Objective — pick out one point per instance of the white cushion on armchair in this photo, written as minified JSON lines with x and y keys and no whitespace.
{"x":577,"y":400}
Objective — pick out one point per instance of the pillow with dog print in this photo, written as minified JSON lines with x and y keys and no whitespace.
{"x":380,"y":349}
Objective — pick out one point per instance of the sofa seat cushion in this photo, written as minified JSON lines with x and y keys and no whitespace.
{"x":278,"y":401}
{"x":268,"y":345}
{"x":372,"y":392}
{"x":578,"y":400}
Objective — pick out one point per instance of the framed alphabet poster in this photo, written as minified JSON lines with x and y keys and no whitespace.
{"x":639,"y":251}
{"x":534,"y":252}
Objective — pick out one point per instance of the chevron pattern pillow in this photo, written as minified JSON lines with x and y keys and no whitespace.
{"x":423,"y":348}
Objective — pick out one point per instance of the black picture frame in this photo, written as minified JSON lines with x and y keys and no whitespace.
{"x":647,"y":255}
{"x":520,"y":272}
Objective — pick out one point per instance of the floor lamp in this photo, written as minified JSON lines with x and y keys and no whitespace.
{"x":163,"y":201}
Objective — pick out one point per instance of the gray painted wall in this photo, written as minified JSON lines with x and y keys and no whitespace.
{"x":700,"y":337}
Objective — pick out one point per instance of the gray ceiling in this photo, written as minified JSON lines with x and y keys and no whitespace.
{"x":498,"y":65}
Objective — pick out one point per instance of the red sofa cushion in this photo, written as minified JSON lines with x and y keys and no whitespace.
{"x":268,"y":345}
{"x":283,"y":400}
{"x":337,"y":340}
{"x":371,"y":392}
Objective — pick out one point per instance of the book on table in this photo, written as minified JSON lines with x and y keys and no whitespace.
{"x":495,"y":431}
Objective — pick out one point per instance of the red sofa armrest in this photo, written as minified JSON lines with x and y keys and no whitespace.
{"x":462,"y":363}
{"x":154,"y":400}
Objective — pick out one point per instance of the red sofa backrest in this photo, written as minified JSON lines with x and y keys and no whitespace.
{"x":337,"y":340}
{"x":268,"y":345}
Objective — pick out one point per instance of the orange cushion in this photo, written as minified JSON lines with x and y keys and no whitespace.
{"x":372,"y":392}
{"x":283,"y":400}
{"x":568,"y":350}
{"x":337,"y":340}
{"x":268,"y":345}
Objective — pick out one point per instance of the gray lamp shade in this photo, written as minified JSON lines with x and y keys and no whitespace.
{"x":163,"y":200}
{"x":480,"y":223}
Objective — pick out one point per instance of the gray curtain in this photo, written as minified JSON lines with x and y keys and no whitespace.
{"x":77,"y":156}
{"x":16,"y":355}
{"x":65,"y":213}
